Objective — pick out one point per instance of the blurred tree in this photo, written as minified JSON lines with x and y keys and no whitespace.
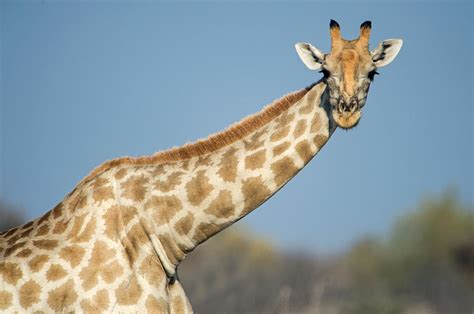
{"x":236,"y":272}
{"x":415,"y":267}
{"x":10,"y":216}
{"x":422,"y":266}
{"x":463,"y":257}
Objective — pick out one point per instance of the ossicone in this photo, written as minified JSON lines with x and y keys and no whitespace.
{"x":364,"y":34}
{"x":335,"y":31}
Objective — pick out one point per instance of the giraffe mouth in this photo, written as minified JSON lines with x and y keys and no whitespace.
{"x":346,"y":120}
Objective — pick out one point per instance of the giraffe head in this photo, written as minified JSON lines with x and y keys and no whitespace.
{"x":349,"y":69}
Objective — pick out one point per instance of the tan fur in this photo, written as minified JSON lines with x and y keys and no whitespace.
{"x":346,"y":122}
{"x":349,"y":66}
{"x":213,"y":142}
{"x":364,"y":36}
{"x":335,"y":32}
{"x":346,"y":61}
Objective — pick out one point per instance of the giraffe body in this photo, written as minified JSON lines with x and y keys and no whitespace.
{"x":114,"y":243}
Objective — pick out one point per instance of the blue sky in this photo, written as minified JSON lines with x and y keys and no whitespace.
{"x":90,"y":81}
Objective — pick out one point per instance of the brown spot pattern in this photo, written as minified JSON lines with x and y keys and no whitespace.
{"x":316,"y":123}
{"x":135,"y":188}
{"x":320,"y":140}
{"x":306,"y":109}
{"x":177,"y":304}
{"x":76,"y":227}
{"x":16,"y":237}
{"x":15,"y":247}
{"x":10,"y":232}
{"x":55,"y":272}
{"x":280,"y":133}
{"x":163,"y":208}
{"x":157,"y":171}
{"x":5,"y":299}
{"x":281,"y":148}
{"x":222,"y":206}
{"x":155,"y":306}
{"x":255,"y":193}
{"x":135,"y":239}
{"x":43,"y":230}
{"x":26,"y":233}
{"x":10,"y":272}
{"x":170,"y":183}
{"x":256,"y":160}
{"x":255,"y":141}
{"x":284,"y":119}
{"x":60,"y":227}
{"x":116,"y":217}
{"x":184,"y":225}
{"x":25,"y":226}
{"x":86,"y":234}
{"x":44,"y":218}
{"x":304,"y":151}
{"x":203,"y":161}
{"x":72,"y":254}
{"x":98,"y":303}
{"x":99,"y":265}
{"x":128,"y":292}
{"x":173,"y":252}
{"x":29,"y":294}
{"x":101,"y":192}
{"x":283,"y":169}
{"x":299,"y":129}
{"x":111,"y":271}
{"x":62,"y":297}
{"x":120,"y":174}
{"x":198,"y":188}
{"x":24,"y":253}
{"x":80,"y":201}
{"x":45,"y":244}
{"x":228,"y":165}
{"x":37,"y":262}
{"x":205,"y":231}
{"x":58,"y":211}
{"x":152,"y":270}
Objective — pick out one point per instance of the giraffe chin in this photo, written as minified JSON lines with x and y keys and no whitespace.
{"x":346,"y":121}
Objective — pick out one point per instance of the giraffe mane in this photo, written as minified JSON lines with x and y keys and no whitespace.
{"x":210,"y":144}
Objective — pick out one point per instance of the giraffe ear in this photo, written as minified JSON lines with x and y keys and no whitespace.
{"x":311,"y":56}
{"x":386,"y":52}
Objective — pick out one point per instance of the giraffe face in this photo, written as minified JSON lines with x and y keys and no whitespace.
{"x":348,"y":70}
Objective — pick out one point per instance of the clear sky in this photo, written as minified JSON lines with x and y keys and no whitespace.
{"x":86,"y":82}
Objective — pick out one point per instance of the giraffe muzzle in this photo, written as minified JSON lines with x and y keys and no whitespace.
{"x":347,"y":106}
{"x":347,"y":112}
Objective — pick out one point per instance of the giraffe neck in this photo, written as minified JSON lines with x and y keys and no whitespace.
{"x":167,"y":208}
{"x":193,"y":199}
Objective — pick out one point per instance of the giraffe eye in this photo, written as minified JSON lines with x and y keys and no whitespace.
{"x":372,"y":75}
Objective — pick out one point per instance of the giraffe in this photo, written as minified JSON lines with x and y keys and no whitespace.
{"x":114,"y":243}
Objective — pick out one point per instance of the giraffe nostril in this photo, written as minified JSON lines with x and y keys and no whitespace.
{"x":354,"y":104}
{"x":347,"y":107}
